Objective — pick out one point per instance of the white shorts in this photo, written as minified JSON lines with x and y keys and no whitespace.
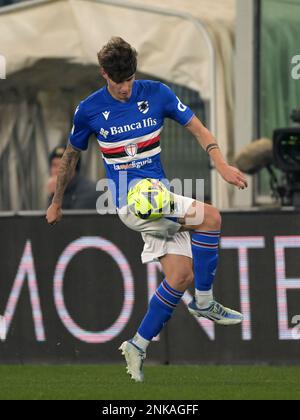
{"x":161,"y":236}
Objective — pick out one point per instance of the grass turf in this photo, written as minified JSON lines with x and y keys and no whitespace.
{"x":161,"y":382}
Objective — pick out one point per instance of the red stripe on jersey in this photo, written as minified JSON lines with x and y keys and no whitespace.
{"x":122,"y":148}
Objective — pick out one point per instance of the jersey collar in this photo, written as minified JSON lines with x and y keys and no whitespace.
{"x":115,"y":101}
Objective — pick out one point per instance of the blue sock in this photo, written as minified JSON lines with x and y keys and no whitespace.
{"x":160,"y":310}
{"x":205,"y":248}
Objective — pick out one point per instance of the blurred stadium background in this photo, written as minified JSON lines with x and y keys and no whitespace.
{"x":236,"y":63}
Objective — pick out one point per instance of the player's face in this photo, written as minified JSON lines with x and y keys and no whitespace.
{"x":120,"y":91}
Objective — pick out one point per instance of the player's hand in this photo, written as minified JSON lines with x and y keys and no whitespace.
{"x":54,"y":214}
{"x":233,"y":176}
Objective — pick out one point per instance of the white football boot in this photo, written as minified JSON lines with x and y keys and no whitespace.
{"x":134,"y":357}
{"x":216,"y":313}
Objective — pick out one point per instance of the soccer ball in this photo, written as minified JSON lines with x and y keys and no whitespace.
{"x":150,"y":199}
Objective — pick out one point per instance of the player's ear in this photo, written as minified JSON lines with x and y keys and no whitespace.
{"x":104,"y":74}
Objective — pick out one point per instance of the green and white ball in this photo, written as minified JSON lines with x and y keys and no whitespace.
{"x":150,"y":199}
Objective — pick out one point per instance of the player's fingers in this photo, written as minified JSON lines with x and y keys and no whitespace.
{"x":51,"y":222}
{"x":241,"y":185}
{"x":242,"y":180}
{"x":244,"y":183}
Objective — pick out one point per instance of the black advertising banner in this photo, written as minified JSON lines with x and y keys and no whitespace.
{"x":73,"y":293}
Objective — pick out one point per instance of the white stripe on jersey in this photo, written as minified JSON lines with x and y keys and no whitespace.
{"x":128,"y":159}
{"x":113,"y":145}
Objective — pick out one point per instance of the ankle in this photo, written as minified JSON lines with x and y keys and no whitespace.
{"x":140,"y":342}
{"x":203,"y":298}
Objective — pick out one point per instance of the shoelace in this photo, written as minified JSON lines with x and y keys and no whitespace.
{"x":218,"y":309}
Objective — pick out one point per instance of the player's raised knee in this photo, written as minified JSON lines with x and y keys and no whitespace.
{"x":213,"y":218}
{"x":216,"y":219}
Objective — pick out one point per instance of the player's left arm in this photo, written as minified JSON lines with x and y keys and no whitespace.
{"x":205,"y":138}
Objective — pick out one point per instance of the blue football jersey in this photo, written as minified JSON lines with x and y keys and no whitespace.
{"x":128,"y":133}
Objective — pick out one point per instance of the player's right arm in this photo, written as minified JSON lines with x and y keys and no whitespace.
{"x":66,"y":172}
{"x":78,"y":142}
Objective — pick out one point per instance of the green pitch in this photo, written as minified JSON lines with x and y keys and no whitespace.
{"x":162,"y":382}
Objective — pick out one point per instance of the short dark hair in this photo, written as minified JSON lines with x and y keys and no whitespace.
{"x":118,"y":59}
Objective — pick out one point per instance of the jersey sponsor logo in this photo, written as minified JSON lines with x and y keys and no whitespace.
{"x":147,"y":137}
{"x":143,"y":107}
{"x":104,"y":133}
{"x":131,"y":149}
{"x":149,"y":122}
{"x":132,"y":165}
{"x":106,"y":115}
{"x":181,"y":107}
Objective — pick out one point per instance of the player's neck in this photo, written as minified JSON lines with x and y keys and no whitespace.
{"x":116,"y":96}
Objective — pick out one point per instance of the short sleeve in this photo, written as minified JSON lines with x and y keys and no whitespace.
{"x":79,"y":137}
{"x":173,"y":107}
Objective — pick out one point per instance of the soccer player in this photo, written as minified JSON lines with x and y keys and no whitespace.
{"x":127,"y":117}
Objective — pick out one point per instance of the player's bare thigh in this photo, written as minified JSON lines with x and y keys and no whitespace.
{"x":201,"y":216}
{"x":178,"y":271}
